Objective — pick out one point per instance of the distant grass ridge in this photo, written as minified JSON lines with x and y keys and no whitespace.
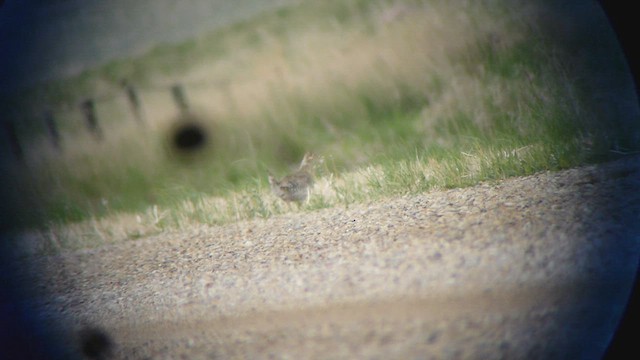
{"x":400,"y":97}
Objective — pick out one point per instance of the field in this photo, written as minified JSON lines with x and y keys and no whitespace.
{"x":399,"y":97}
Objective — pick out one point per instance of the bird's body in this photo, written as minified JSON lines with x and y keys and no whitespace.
{"x":296,"y":186}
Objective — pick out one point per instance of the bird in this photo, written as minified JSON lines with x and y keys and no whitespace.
{"x":296,"y":186}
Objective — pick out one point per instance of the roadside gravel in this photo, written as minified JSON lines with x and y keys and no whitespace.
{"x":535,"y":267}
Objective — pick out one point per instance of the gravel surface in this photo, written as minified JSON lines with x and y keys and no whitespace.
{"x":532,"y":267}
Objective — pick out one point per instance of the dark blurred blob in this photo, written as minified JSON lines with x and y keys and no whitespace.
{"x":187,"y":139}
{"x":95,"y":343}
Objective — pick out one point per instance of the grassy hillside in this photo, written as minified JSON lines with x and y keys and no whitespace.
{"x":399,"y":97}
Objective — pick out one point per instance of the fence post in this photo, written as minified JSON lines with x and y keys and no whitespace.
{"x":179,"y":97}
{"x":134,"y":100}
{"x":14,"y":143}
{"x":52,"y":129}
{"x":88,"y":107}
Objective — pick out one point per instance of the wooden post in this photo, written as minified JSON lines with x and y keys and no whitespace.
{"x":134,"y":101}
{"x":88,"y":108}
{"x":52,"y":129}
{"x":180,"y":98}
{"x":14,"y":143}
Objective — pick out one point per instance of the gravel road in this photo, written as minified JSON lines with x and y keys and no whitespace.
{"x":532,"y":267}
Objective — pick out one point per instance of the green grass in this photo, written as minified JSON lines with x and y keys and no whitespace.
{"x":397,"y":104}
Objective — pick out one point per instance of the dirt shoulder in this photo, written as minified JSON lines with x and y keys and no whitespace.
{"x":536,"y":266}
